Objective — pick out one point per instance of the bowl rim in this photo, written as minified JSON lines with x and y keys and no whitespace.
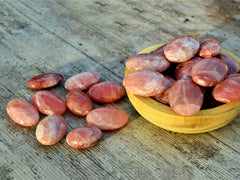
{"x":157,"y":106}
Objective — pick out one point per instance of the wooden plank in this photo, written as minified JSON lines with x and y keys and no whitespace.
{"x":73,"y":36}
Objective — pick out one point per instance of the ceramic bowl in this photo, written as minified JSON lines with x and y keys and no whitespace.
{"x":164,"y":117}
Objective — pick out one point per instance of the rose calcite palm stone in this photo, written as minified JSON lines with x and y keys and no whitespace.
{"x":84,"y":137}
{"x":44,"y":80}
{"x":185,"y":97}
{"x":82,"y":81}
{"x":145,"y":83}
{"x":209,"y":47}
{"x":48,"y":103}
{"x":22,"y":112}
{"x":51,"y":129}
{"x":107,"y":118}
{"x":78,"y":102}
{"x":106,"y":92}
{"x":228,"y":90}
{"x":147,"y":61}
{"x":181,"y":48}
{"x":209,"y":72}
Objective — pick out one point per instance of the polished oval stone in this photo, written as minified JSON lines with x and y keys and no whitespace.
{"x":106,"y":92}
{"x":209,"y":47}
{"x":185,"y":97}
{"x":228,"y":90}
{"x":181,"y":48}
{"x":145,"y":83}
{"x":82,"y":81}
{"x":84,"y":137}
{"x":22,"y":112}
{"x":48,"y":103}
{"x":150,"y":61}
{"x":78,"y":102}
{"x":51,"y":129}
{"x":107,"y":118}
{"x":209,"y":72}
{"x":44,"y":80}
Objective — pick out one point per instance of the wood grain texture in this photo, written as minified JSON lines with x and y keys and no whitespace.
{"x":69,"y":37}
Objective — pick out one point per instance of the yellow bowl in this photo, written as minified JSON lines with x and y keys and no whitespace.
{"x":164,"y":117}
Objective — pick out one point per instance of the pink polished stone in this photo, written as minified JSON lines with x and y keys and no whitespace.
{"x":228,"y":90}
{"x":147,"y":61}
{"x":181,"y":48}
{"x":106,"y":92}
{"x":209,"y":47}
{"x":185,"y":97}
{"x":233,"y":66}
{"x":159,"y":50}
{"x":163,"y":97}
{"x":209,"y":72}
{"x":45,"y":80}
{"x":82,"y":81}
{"x":78,"y":102}
{"x":48,"y":103}
{"x":107,"y":118}
{"x":145,"y":83}
{"x":84,"y":137}
{"x":184,"y":69}
{"x":22,"y":112}
{"x":51,"y":129}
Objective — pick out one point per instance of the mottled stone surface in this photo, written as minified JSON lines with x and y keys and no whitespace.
{"x":106,"y":92}
{"x":78,"y":102}
{"x":42,"y":81}
{"x":145,"y":83}
{"x":107,"y":118}
{"x":48,"y":103}
{"x":22,"y":112}
{"x":84,"y":137}
{"x":209,"y":72}
{"x":51,"y":129}
{"x":82,"y":81}
{"x":185,"y":97}
{"x":228,"y":90}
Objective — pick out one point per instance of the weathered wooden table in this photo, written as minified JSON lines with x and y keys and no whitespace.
{"x":69,"y":37}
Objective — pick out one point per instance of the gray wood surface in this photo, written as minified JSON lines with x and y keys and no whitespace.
{"x":69,"y":37}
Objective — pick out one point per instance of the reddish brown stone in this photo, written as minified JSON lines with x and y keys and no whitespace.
{"x":22,"y":112}
{"x":48,"y":103}
{"x":45,"y":80}
{"x":228,"y":90}
{"x":106,"y":92}
{"x":209,"y":72}
{"x":82,"y":81}
{"x":78,"y":102}
{"x":181,"y":48}
{"x":145,"y":83}
{"x":209,"y":47}
{"x":84,"y":137}
{"x":107,"y":118}
{"x":51,"y":129}
{"x":185,"y":97}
